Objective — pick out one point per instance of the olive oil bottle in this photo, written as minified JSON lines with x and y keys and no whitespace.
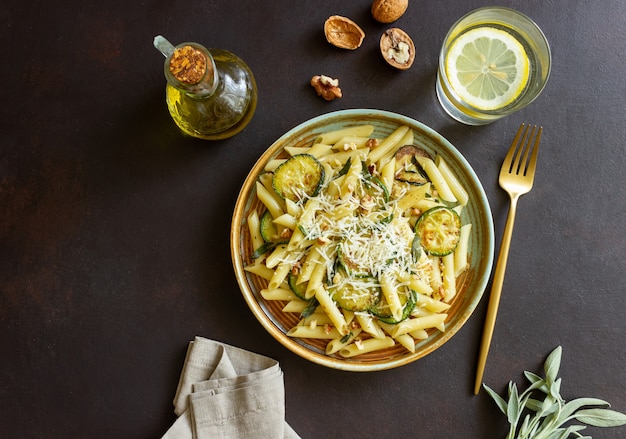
{"x":210,"y":94}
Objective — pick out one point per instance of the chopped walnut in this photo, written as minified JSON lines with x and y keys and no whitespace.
{"x":286,"y":233}
{"x":326,"y":87}
{"x":337,"y":278}
{"x":367,"y":203}
{"x":323,"y":240}
{"x":296,"y":268}
{"x":371,"y":143}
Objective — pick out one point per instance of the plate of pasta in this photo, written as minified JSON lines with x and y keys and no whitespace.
{"x":362,"y":240}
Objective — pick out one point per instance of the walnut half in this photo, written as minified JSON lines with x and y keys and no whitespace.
{"x":343,"y":32}
{"x":326,"y":87}
{"x":397,"y":48}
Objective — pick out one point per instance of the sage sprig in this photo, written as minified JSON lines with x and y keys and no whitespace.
{"x":547,"y":418}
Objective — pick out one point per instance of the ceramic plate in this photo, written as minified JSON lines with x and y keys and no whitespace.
{"x":470,"y":284}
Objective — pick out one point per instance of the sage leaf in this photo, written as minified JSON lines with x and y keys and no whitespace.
{"x":555,"y":389}
{"x":310,"y":309}
{"x":601,"y":417}
{"x":534,"y":404}
{"x":265,"y":248}
{"x":533,"y":377}
{"x":500,"y":402}
{"x":575,"y":404}
{"x":513,"y":409}
{"x":552,"y":365}
{"x":546,"y":419}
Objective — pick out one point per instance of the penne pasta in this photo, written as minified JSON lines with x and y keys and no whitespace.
{"x":360,"y":347}
{"x":390,"y":143}
{"x":287,"y":220}
{"x":332,"y":137}
{"x":337,"y":344}
{"x":413,"y":196}
{"x":353,"y":248}
{"x":391,"y":296}
{"x":437,"y":179}
{"x":295,"y":306}
{"x":280,"y":274}
{"x":278,"y":294}
{"x":276,"y":257}
{"x":449,"y":279}
{"x":254,"y":228}
{"x":269,"y":201}
{"x":410,"y":325}
{"x":453,"y":183}
{"x":260,"y":270}
{"x":330,"y":307}
{"x":431,"y":304}
{"x":369,"y":325}
{"x":318,"y":332}
{"x":460,"y":254}
{"x":350,"y":143}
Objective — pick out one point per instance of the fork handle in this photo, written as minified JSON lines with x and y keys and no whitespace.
{"x":496,"y":290}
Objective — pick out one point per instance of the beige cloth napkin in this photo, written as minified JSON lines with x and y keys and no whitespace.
{"x":227,"y":392}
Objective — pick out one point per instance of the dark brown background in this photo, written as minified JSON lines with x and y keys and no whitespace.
{"x":114,"y":229}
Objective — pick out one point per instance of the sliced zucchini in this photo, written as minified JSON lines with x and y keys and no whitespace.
{"x":269,"y":231}
{"x":298,"y":289}
{"x":407,"y":167}
{"x":357,"y":295}
{"x":382,"y":311}
{"x":439,"y":230}
{"x":299,"y":176}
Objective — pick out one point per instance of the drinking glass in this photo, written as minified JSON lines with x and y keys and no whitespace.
{"x":490,"y":21}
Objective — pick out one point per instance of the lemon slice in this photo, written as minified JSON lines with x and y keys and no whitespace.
{"x":487,"y":67}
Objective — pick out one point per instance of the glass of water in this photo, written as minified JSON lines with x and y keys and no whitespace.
{"x":494,"y":61}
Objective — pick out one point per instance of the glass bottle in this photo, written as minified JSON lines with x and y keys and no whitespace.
{"x":210,"y":94}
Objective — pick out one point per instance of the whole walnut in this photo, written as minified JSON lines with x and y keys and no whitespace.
{"x":387,"y":11}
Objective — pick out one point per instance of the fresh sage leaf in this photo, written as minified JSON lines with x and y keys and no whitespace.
{"x":513,"y":409}
{"x":601,"y":417}
{"x":552,"y":365}
{"x":500,"y":402}
{"x":265,"y":248}
{"x":575,"y":404}
{"x":310,"y":309}
{"x":547,"y":418}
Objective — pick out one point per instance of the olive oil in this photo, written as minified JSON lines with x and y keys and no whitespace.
{"x":210,"y":94}
{"x":225,"y":112}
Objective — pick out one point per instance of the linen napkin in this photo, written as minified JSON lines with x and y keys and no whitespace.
{"x":228,"y":392}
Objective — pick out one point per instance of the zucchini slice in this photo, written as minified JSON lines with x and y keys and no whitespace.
{"x":407,"y":167}
{"x":269,"y":231}
{"x":382,"y":311}
{"x":298,"y":289}
{"x":298,"y":177}
{"x":439,"y":230}
{"x":357,"y":296}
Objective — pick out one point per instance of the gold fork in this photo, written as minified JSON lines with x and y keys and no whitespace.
{"x":516,"y":177}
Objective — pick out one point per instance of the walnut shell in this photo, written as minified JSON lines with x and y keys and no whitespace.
{"x":343,"y":32}
{"x":387,"y":11}
{"x":397,"y":48}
